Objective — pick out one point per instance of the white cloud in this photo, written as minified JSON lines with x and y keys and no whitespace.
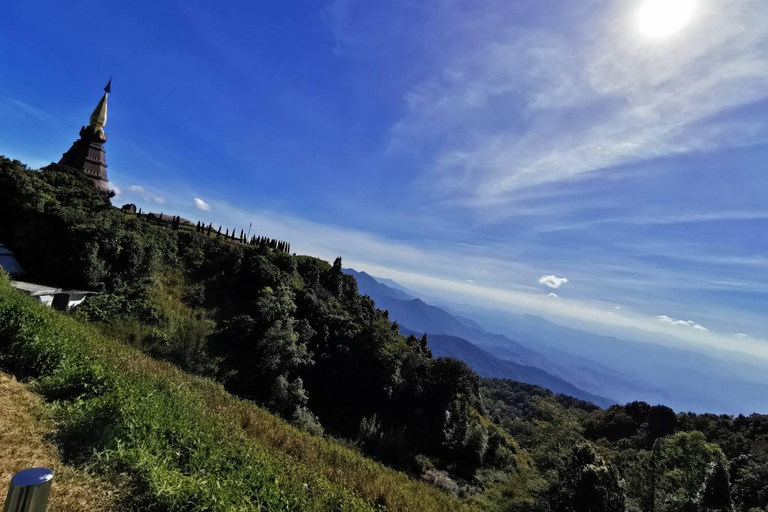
{"x":148,"y":195}
{"x":553,"y":295}
{"x":114,"y":188}
{"x":742,"y":335}
{"x":618,"y":307}
{"x":552,"y":281}
{"x":684,"y":323}
{"x":202,"y":205}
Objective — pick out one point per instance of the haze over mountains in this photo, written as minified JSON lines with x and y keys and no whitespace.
{"x":601,"y":369}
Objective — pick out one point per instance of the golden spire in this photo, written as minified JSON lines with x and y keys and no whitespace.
{"x":99,"y":116}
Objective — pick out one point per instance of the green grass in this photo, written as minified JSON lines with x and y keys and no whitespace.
{"x":184,"y":443}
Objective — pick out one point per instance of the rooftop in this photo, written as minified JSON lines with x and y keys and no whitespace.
{"x":9,"y":263}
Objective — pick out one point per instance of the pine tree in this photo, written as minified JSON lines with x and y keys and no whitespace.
{"x":210,"y":228}
{"x":218,"y":234}
{"x":716,"y":492}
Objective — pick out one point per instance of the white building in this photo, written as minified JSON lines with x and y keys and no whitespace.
{"x":58,"y":298}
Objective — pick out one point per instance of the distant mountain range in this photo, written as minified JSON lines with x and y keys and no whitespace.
{"x":448,"y":337}
{"x":488,"y":365}
{"x":601,"y":369}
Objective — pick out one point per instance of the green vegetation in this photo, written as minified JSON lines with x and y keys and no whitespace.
{"x":185,"y":443}
{"x":178,"y":372}
{"x":658,"y":460}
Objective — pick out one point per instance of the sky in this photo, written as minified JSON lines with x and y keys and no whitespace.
{"x":599,"y":161}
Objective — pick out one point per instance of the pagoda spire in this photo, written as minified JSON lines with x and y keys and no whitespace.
{"x":87,"y":153}
{"x":99,"y":116}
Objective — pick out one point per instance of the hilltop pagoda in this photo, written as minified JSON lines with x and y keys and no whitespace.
{"x":87,"y":153}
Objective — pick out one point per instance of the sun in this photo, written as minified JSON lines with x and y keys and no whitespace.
{"x":662,"y":18}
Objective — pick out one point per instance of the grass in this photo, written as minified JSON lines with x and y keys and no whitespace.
{"x":183,"y":441}
{"x":24,"y":427}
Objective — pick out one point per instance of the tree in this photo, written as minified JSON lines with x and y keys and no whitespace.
{"x":588,"y":484}
{"x":716,"y":494}
{"x":686,"y":459}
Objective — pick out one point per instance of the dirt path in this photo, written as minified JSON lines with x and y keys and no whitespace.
{"x":23,"y":445}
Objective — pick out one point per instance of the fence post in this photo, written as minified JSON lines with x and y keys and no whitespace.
{"x":29,"y":491}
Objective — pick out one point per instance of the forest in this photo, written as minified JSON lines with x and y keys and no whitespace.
{"x":292,"y":334}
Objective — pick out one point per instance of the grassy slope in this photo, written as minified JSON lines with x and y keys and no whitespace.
{"x":185,"y":442}
{"x":23,"y":429}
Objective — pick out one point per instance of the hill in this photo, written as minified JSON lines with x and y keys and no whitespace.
{"x":184,"y":443}
{"x":218,"y":374}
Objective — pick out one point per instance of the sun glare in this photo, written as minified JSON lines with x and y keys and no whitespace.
{"x":662,"y":18}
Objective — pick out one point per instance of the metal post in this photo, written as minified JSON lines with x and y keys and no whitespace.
{"x":29,"y":490}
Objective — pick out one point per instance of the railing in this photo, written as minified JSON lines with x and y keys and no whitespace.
{"x":29,"y":491}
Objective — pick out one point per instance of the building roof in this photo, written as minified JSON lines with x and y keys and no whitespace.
{"x":9,"y":263}
{"x":42,"y":289}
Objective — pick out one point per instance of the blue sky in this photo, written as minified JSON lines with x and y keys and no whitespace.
{"x":469,"y":148}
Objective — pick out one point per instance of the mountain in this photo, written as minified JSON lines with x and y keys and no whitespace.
{"x":635,"y":370}
{"x":488,"y":365}
{"x":520,"y":362}
{"x":368,"y":285}
{"x":620,"y":369}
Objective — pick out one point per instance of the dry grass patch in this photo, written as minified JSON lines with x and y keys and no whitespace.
{"x":23,"y":432}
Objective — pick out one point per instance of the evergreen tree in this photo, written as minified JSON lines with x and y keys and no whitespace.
{"x":716,"y":492}
{"x":210,"y":228}
{"x":218,"y":233}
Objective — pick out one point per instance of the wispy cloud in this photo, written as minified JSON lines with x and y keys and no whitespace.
{"x":660,"y":220}
{"x":147,"y":195}
{"x":684,"y":323}
{"x":114,"y":188}
{"x":202,"y":205}
{"x":527,"y":107}
{"x":23,"y":109}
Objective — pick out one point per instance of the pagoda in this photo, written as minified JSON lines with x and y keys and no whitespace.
{"x":87,"y":153}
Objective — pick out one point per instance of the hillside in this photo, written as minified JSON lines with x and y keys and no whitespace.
{"x":217,"y":374}
{"x":184,"y":443}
